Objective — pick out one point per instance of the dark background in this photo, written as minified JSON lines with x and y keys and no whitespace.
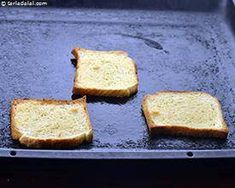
{"x":117,"y":173}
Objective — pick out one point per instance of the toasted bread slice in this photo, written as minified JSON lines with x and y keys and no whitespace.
{"x":184,"y":113}
{"x":104,"y":73}
{"x":50,"y":123}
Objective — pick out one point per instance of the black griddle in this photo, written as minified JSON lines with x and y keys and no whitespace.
{"x":177,"y":45}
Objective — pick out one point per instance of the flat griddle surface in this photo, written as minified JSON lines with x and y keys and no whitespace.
{"x":173,"y":50}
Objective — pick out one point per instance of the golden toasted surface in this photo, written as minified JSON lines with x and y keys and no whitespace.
{"x":49,"y":120}
{"x":105,"y":72}
{"x":192,"y":110}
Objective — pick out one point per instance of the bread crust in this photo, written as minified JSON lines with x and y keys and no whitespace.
{"x":183,"y":130}
{"x":102,"y":92}
{"x":55,"y":142}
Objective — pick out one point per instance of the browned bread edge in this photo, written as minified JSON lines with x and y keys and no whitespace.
{"x":102,"y":92}
{"x":49,"y":143}
{"x":179,"y":130}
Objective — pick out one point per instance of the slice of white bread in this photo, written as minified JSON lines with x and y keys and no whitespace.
{"x":50,"y":123}
{"x":104,"y":73}
{"x":184,"y":113}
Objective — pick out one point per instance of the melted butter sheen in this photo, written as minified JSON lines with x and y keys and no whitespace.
{"x":197,"y":111}
{"x":106,"y":71}
{"x":51,"y":121}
